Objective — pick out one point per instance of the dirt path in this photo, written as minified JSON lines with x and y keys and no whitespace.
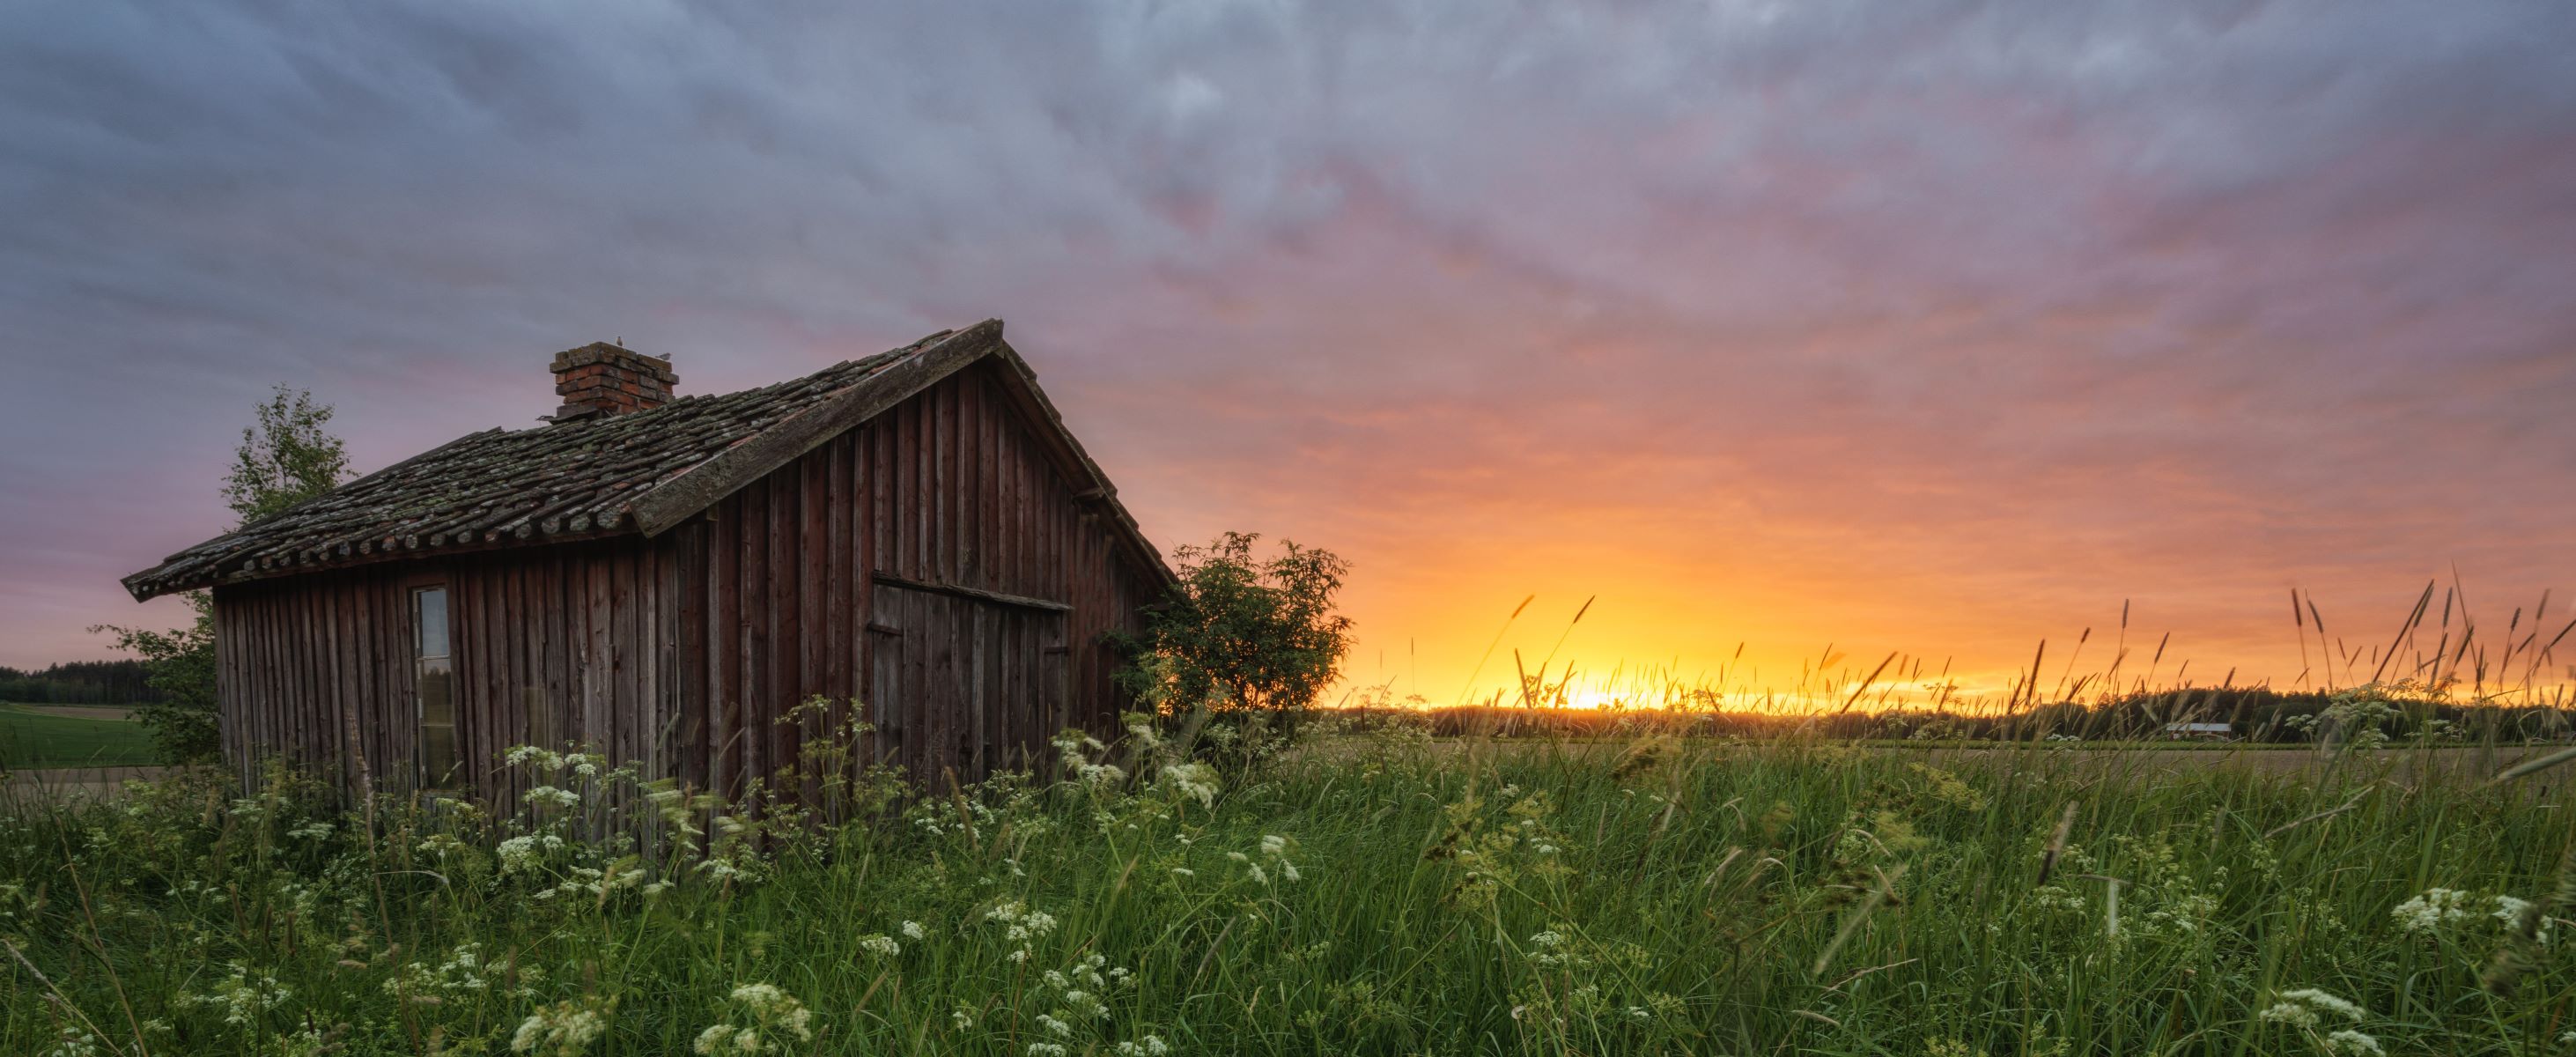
{"x":63,"y":784}
{"x":79,"y":711}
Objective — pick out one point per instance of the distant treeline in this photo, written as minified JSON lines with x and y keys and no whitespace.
{"x":2249,"y":714}
{"x":79,"y":683}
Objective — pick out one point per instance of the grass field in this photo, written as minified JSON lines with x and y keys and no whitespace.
{"x":1388,"y":896}
{"x":35,"y":736}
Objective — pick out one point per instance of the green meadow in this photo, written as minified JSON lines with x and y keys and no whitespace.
{"x":1380,"y":892}
{"x":37,"y":737}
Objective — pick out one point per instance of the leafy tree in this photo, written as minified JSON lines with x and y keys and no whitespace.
{"x":1244,"y":635}
{"x":285,"y":458}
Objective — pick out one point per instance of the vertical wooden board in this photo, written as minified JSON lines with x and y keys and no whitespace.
{"x":724,"y":637}
{"x":897,"y":656}
{"x":839,"y":641}
{"x":649,"y":660}
{"x":503,"y":617}
{"x":983,"y":632}
{"x":312,"y":667}
{"x":624,"y":704}
{"x":546,"y":621}
{"x":362,"y":685}
{"x":943,"y":477}
{"x":393,"y":672}
{"x":910,"y":513}
{"x":970,"y":527}
{"x":992,"y":421}
{"x":870,"y":530}
{"x":322,"y":598}
{"x":922,"y":641}
{"x":813,"y":570}
{"x":758,"y":603}
{"x":690,"y":702}
{"x":1010,"y":695}
{"x":786,"y":590}
{"x":598,"y":673}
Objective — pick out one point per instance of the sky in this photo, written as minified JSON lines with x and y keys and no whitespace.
{"x":1797,"y":328}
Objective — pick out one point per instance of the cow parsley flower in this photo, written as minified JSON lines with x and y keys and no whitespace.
{"x":1021,"y":923}
{"x":881,"y":946}
{"x":1147,"y":1046}
{"x":243,"y":996}
{"x":912,"y":930}
{"x":2304,"y":1007}
{"x":2354,"y":1044}
{"x":550,"y":796}
{"x":775,"y":1016}
{"x":1198,"y":781}
{"x":559,"y":1030}
{"x":2430,"y":911}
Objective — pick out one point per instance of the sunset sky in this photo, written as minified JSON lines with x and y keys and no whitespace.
{"x":1932,"y":327}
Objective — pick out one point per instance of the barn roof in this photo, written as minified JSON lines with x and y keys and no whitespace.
{"x":636,"y":473}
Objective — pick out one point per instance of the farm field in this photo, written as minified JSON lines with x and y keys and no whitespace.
{"x":41,"y":736}
{"x":1391,"y":896}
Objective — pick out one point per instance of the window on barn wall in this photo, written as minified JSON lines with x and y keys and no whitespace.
{"x":435,"y":682}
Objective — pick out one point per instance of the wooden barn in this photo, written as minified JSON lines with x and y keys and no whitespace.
{"x":664,"y":578}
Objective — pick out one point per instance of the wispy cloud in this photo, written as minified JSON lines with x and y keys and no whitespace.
{"x":1944,"y":326}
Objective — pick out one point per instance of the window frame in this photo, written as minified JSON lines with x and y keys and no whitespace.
{"x":430,"y":773}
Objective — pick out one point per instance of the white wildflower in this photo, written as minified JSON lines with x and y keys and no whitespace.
{"x":912,"y":930}
{"x":1021,"y":923}
{"x":549,"y":796}
{"x":775,"y":1016}
{"x":2432,"y":910}
{"x":2350,"y":1042}
{"x":1197,"y":781}
{"x":1046,"y":1049}
{"x":1055,"y":1027}
{"x":559,"y":1030}
{"x":881,"y":946}
{"x":2301,"y":1008}
{"x":1148,"y":1046}
{"x":243,"y":996}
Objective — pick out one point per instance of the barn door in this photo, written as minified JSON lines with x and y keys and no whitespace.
{"x":964,"y":682}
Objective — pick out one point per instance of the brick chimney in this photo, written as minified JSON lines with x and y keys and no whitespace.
{"x":600,"y":379}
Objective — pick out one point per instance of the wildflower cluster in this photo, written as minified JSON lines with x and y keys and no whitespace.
{"x":562,"y":1029}
{"x":1021,"y":925}
{"x":761,"y":1019}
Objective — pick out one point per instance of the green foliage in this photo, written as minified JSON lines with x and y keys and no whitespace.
{"x":285,"y":458}
{"x":1379,"y":892}
{"x":181,"y":717}
{"x":1243,"y":634}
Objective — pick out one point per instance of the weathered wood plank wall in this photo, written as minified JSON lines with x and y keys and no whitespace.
{"x":572,"y":642}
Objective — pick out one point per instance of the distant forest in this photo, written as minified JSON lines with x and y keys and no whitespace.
{"x":2255,"y":714}
{"x":79,"y":683}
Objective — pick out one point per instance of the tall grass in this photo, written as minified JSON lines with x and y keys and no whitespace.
{"x":1378,"y":892}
